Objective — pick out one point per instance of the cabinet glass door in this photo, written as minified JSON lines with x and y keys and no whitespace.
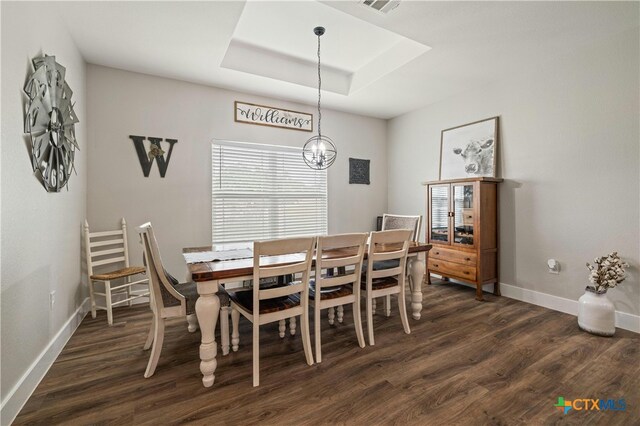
{"x":439,"y":213}
{"x":463,"y":214}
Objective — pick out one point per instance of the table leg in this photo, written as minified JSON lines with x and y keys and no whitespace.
{"x":208,"y":310}
{"x":416,"y":270}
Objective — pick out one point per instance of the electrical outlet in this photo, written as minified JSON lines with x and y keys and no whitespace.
{"x":554,"y":266}
{"x":52,"y":299}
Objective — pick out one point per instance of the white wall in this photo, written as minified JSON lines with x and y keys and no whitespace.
{"x":40,"y":231}
{"x":569,"y":153}
{"x":123,"y":103}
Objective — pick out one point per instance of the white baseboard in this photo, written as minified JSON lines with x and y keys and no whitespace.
{"x":18,"y":396}
{"x":623,"y":320}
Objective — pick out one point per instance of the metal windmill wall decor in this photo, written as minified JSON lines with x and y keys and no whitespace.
{"x":50,"y":121}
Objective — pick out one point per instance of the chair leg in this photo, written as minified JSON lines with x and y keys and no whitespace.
{"x":403,"y":312}
{"x":158,"y":339}
{"x":192,"y":320}
{"x":370,"y":302}
{"x":316,"y":330}
{"x":107,"y":292}
{"x":387,"y":305}
{"x":235,"y":333}
{"x":152,"y":330}
{"x":306,"y":337}
{"x":282,"y":328}
{"x":357,"y":322}
{"x":224,"y":329}
{"x":292,"y":326}
{"x":256,"y":354}
{"x":93,"y":299}
{"x":332,"y":315}
{"x":340,"y":313}
{"x":128,"y":290}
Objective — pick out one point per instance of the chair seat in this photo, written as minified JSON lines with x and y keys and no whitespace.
{"x":379,"y":283}
{"x":330,"y":292}
{"x":190,"y":292}
{"x":119,"y":273}
{"x":245,"y":299}
{"x":382,"y":264}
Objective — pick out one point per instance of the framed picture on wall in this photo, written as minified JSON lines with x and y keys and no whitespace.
{"x":469,"y":150}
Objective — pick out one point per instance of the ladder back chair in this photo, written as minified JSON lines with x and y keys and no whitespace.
{"x":170,"y":299}
{"x":110,"y":248}
{"x":386,"y":246}
{"x":343,"y":253}
{"x":266,"y":305}
{"x":397,"y":221}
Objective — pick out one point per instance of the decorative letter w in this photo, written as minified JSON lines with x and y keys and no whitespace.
{"x":155,"y":152}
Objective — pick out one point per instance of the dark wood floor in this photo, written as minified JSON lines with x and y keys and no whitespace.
{"x":465,"y":362}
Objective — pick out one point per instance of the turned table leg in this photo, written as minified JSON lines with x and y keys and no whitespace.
{"x":416,"y":271}
{"x":208,"y":310}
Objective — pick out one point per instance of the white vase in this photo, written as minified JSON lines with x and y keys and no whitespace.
{"x":596,"y":313}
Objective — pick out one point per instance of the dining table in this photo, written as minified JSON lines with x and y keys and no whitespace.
{"x":210,"y":274}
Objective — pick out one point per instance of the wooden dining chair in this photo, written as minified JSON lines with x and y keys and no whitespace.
{"x":378,"y":282}
{"x":103,"y":250}
{"x":171,"y":299}
{"x":266,"y":305}
{"x":397,"y":221}
{"x":342,"y":253}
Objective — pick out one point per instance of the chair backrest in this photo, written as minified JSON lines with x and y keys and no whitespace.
{"x":166,"y":301}
{"x":388,"y":245}
{"x":396,"y":221}
{"x":106,"y":247}
{"x":296,"y":253}
{"x":342,"y":252}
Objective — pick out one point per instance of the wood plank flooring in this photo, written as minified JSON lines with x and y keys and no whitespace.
{"x":465,"y":362}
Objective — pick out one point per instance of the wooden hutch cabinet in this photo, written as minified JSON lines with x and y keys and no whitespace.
{"x":462,"y":226}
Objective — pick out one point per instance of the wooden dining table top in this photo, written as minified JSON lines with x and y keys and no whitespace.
{"x":226,"y":269}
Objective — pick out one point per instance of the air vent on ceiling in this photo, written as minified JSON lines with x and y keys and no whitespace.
{"x":382,"y":6}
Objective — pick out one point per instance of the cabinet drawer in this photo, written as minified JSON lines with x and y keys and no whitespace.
{"x":454,"y":269}
{"x":456,"y":256}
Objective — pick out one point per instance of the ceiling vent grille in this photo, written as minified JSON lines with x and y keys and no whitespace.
{"x":382,"y":6}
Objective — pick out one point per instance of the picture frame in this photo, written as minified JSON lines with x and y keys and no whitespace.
{"x":359,"y":171}
{"x":469,"y":150}
{"x":264,"y":115}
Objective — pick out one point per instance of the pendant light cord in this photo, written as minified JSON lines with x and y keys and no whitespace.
{"x":319,"y":85}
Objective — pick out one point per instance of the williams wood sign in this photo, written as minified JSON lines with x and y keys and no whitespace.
{"x":274,"y":117}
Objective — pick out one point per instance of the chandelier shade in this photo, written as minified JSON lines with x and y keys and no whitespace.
{"x":319,"y":152}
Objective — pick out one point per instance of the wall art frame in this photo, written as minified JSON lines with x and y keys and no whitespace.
{"x":469,"y":150}
{"x":264,"y":115}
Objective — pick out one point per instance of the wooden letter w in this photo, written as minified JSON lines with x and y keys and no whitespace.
{"x":146,"y":159}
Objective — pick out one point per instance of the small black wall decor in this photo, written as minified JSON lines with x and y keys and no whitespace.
{"x":155,"y":152}
{"x":359,"y":171}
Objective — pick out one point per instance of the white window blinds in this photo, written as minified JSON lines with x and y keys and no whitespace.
{"x":262,"y":192}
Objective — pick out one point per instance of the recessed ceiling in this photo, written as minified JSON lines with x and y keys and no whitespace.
{"x":276,"y":40}
{"x":473,"y":44}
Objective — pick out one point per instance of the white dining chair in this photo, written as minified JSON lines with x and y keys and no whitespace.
{"x":171,"y":299}
{"x":273,"y":304}
{"x":379,"y":282}
{"x":103,"y":250}
{"x":342,"y":253}
{"x":398,"y":221}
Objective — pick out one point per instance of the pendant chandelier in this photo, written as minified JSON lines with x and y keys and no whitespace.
{"x":319,"y":152}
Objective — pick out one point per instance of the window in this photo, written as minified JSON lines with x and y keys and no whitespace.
{"x":262,"y":192}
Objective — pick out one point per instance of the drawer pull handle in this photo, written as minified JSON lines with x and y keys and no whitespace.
{"x":437,"y":252}
{"x":435,"y":264}
{"x":466,"y":272}
{"x":468,"y":258}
